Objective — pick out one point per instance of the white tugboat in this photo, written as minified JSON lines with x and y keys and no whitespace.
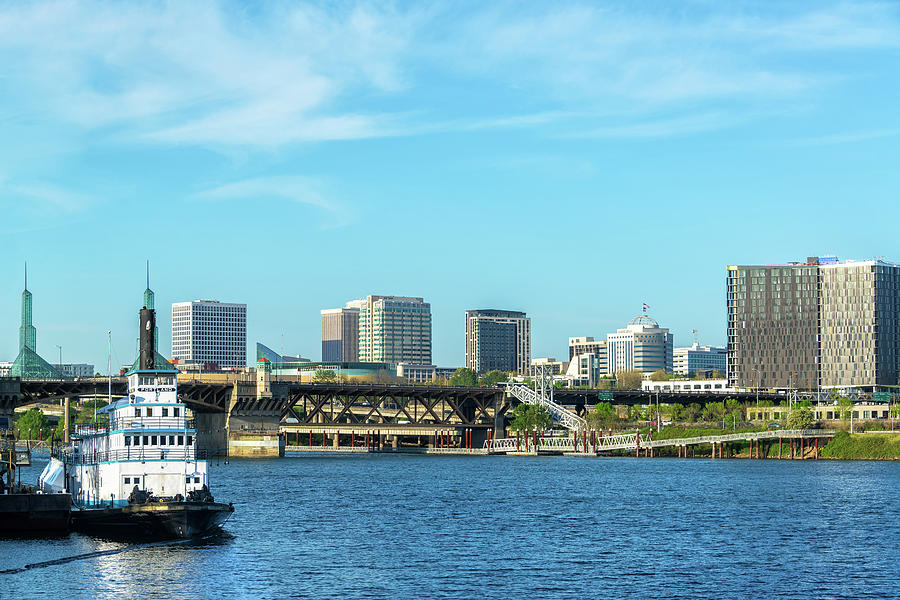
{"x":141,"y":475}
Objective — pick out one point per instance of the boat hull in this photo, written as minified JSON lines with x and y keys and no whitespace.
{"x":164,"y":520}
{"x":23,"y":514}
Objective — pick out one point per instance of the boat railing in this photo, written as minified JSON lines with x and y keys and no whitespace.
{"x":73,"y":457}
{"x":175,"y":423}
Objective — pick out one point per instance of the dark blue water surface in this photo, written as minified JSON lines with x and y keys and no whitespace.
{"x":379,"y":526}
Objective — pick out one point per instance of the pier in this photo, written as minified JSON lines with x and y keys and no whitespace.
{"x":792,"y":443}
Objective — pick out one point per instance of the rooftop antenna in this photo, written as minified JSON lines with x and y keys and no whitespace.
{"x":148,"y":273}
{"x":26,"y":274}
{"x":694,"y":333}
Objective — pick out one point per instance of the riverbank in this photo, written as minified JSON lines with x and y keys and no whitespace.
{"x":863,"y":446}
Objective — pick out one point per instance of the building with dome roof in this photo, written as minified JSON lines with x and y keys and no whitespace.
{"x":641,"y":345}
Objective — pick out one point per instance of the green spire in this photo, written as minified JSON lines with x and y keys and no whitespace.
{"x":28,"y":364}
{"x":27,"y":332}
{"x":149,"y":297}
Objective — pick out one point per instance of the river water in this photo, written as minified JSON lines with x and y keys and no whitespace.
{"x":386,"y":526}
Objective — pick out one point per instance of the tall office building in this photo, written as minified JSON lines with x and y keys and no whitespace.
{"x":498,"y":340}
{"x":340,"y":333}
{"x":395,"y":329}
{"x":695,"y":358}
{"x":209,"y":331}
{"x":642,"y":345}
{"x":822,"y":323}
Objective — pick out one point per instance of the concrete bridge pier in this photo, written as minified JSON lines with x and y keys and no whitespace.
{"x":253,"y":421}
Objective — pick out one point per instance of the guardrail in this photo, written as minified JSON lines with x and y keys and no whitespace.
{"x":741,"y":437}
{"x":554,"y":444}
{"x":130,"y":454}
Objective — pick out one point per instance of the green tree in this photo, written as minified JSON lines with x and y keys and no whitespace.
{"x":31,"y":422}
{"x":713,"y":412}
{"x":530,"y":418}
{"x":606,"y":383}
{"x":845,"y":407}
{"x":602,"y":416}
{"x":324,"y":376}
{"x":464,"y":377}
{"x":629,"y":380}
{"x":492,"y":378}
{"x":734,"y":411}
{"x":691,"y":412}
{"x":800,"y":418}
{"x":660,"y":375}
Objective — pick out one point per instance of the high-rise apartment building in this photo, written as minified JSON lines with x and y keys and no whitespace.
{"x":498,"y":340}
{"x":642,"y":345}
{"x":340,"y":333}
{"x":209,"y":331}
{"x":585,"y":345}
{"x":696,"y":358}
{"x":818,"y":324}
{"x":395,"y":329}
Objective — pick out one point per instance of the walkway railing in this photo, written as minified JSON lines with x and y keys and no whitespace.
{"x":558,"y":412}
{"x":595,"y":442}
{"x":741,"y":437}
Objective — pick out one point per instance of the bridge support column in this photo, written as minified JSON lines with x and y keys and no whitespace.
{"x":817,"y":449}
{"x":395,"y":442}
{"x":713,"y":455}
{"x":779,"y":447}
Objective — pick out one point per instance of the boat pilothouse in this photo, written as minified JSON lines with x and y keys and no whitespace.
{"x":141,"y":473}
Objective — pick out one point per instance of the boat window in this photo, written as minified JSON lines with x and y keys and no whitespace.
{"x":127,"y":480}
{"x":137,"y":412}
{"x":187,"y":479}
{"x":146,"y":440}
{"x":171,"y":440}
{"x":175,"y":412}
{"x":153,"y":441}
{"x":162,"y":440}
{"x":190,"y":440}
{"x":196,"y":480}
{"x":127,"y":440}
{"x":181,"y":440}
{"x":165,"y":412}
{"x":137,"y":440}
{"x":149,"y":412}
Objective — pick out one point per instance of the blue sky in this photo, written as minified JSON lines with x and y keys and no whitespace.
{"x":571,"y":160}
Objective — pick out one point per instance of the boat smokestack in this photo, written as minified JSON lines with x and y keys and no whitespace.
{"x":147,"y":344}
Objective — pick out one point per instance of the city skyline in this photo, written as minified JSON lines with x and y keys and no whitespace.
{"x":570,"y":161}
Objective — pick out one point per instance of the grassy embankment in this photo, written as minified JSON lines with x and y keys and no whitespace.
{"x":863,"y":446}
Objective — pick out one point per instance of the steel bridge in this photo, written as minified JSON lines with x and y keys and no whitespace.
{"x":202,"y":397}
{"x":399,"y":405}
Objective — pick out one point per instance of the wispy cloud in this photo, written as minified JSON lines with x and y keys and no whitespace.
{"x":845,"y":137}
{"x":42,"y":198}
{"x":216,"y":74}
{"x":289,"y":188}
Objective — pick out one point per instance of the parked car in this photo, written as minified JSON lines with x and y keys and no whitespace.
{"x":774,"y":425}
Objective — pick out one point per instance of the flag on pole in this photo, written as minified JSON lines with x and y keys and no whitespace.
{"x":646,"y":306}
